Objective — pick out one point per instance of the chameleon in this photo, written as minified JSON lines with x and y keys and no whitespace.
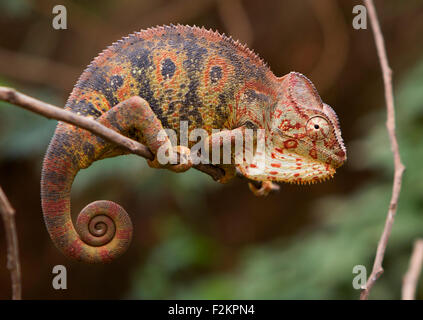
{"x":157,"y":78}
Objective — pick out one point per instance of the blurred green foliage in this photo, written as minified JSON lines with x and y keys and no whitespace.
{"x":24,"y":134}
{"x":318,"y":263}
{"x":15,"y":8}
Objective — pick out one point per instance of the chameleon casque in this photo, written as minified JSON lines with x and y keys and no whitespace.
{"x":156,"y":78}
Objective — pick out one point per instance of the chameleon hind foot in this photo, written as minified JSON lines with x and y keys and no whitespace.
{"x":230,"y":173}
{"x":266,"y":188}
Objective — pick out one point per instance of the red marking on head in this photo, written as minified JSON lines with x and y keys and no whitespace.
{"x":290,"y":144}
{"x":278,"y":114}
{"x":253,"y":166}
{"x":285,"y":125}
{"x":279,"y":150}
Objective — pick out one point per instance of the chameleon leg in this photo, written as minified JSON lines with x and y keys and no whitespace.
{"x":135,"y":117}
{"x":217,"y":140}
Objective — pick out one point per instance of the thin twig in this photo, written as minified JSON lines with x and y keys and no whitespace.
{"x":13,"y":264}
{"x":411,"y":278}
{"x":399,"y":167}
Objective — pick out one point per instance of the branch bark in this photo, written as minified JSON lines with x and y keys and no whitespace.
{"x":13,"y":264}
{"x":411,"y":278}
{"x":399,"y":167}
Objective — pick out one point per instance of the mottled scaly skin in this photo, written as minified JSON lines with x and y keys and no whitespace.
{"x":185,"y":74}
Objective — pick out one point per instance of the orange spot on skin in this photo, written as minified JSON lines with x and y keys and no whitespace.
{"x":273,"y":172}
{"x":158,"y":60}
{"x":275,"y":165}
{"x":219,"y":62}
{"x":296,"y":175}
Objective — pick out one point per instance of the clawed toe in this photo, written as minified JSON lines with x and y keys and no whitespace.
{"x":183,"y":159}
{"x":266,"y":188}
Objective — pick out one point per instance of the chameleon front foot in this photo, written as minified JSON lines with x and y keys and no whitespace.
{"x":183,"y":158}
{"x":265,"y":189}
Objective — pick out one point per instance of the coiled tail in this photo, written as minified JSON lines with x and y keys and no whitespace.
{"x":103,"y":228}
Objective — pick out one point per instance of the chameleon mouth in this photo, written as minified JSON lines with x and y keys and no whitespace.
{"x":280,"y":165}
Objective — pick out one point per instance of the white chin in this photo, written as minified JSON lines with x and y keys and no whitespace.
{"x":285,"y":166}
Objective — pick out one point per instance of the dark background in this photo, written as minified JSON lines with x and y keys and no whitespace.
{"x":194,"y":238}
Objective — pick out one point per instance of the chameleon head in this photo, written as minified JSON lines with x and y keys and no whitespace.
{"x":303,"y":142}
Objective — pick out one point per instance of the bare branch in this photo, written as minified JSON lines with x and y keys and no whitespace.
{"x":399,"y":167}
{"x":411,"y":278}
{"x":13,"y":264}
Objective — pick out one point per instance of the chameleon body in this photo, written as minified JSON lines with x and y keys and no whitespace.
{"x":155,"y":79}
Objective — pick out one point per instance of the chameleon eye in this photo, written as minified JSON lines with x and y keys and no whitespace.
{"x":317,"y":128}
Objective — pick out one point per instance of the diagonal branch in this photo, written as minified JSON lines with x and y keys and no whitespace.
{"x":13,"y":264}
{"x":399,"y":167}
